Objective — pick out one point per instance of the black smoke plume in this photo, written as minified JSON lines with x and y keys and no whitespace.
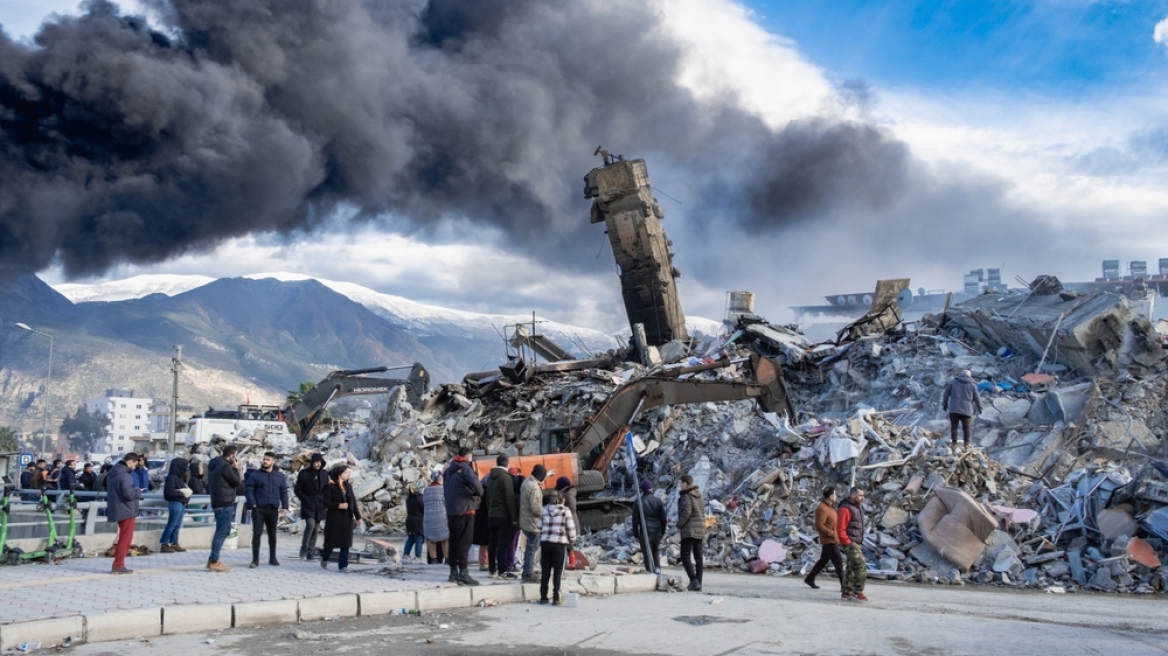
{"x":123,"y":143}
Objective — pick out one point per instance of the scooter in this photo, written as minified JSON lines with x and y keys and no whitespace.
{"x":4,"y":501}
{"x":53,"y":547}
{"x":70,"y":547}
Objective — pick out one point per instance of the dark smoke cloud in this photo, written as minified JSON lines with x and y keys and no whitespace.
{"x":119,"y":143}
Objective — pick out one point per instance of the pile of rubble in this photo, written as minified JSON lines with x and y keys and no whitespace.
{"x":1059,"y":491}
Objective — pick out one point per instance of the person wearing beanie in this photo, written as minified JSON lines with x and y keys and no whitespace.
{"x":962,"y":403}
{"x":653,"y":510}
{"x":568,"y":492}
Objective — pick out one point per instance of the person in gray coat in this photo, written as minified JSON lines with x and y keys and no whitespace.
{"x":962,"y":403}
{"x":691,"y":528}
{"x":122,"y":507}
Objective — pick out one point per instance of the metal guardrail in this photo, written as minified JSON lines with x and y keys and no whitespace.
{"x":25,"y":521}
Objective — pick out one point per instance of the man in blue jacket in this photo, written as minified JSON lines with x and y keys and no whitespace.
{"x":122,"y":507}
{"x":267,"y":495}
{"x":142,"y":476}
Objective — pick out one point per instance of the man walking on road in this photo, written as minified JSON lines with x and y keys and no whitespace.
{"x":463,"y":491}
{"x":530,"y":509}
{"x":825,"y":525}
{"x":122,"y":508}
{"x":691,"y":527}
{"x":962,"y":403}
{"x":310,"y":485}
{"x":267,"y":494}
{"x":224,"y":480}
{"x":850,"y":531}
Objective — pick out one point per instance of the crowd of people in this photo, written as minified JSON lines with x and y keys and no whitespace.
{"x":511,"y":517}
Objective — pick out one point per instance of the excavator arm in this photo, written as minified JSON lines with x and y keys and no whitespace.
{"x":353,"y":382}
{"x":618,"y":411}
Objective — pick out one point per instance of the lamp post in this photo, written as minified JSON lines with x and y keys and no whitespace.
{"x":48,"y":380}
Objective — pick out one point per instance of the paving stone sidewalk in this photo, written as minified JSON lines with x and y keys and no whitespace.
{"x":85,"y":586}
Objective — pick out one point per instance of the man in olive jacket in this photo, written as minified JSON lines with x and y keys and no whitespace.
{"x":122,"y":507}
{"x":530,"y":509}
{"x":691,"y":527}
{"x":503,"y":515}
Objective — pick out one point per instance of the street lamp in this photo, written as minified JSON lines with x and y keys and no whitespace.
{"x":48,"y":379}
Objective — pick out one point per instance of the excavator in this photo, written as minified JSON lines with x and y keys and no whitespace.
{"x":304,"y":414}
{"x":586,"y":453}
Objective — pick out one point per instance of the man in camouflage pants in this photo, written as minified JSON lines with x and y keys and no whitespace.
{"x":850,"y":527}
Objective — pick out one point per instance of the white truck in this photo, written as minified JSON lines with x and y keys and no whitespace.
{"x":261,"y":423}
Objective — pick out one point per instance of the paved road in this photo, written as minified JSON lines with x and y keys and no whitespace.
{"x":739,"y":614}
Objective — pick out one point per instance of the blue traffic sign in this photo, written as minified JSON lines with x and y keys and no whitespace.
{"x":25,"y":459}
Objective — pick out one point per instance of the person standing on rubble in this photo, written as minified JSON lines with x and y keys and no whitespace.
{"x":503,"y":516}
{"x":850,"y":532}
{"x":462,"y":491}
{"x":825,"y":525}
{"x":962,"y":403}
{"x":691,"y":526}
{"x":309,"y":489}
{"x":655,"y":523}
{"x":341,"y":518}
{"x":530,"y":509}
{"x":435,"y":527}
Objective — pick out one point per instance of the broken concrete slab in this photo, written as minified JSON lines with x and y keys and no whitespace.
{"x":1094,"y":334}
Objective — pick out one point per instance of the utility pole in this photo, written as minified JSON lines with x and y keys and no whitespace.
{"x":175,"y":367}
{"x":48,"y":381}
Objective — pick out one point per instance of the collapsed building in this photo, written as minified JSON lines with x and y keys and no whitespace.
{"x":1064,"y":489}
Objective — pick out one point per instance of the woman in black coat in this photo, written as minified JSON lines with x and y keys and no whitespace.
{"x":341,"y":517}
{"x":415,"y":520}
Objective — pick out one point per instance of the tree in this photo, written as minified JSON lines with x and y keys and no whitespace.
{"x":295,"y":397}
{"x":8,"y":440}
{"x":84,"y":430}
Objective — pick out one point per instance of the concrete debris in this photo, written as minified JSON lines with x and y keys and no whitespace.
{"x":1045,"y":499}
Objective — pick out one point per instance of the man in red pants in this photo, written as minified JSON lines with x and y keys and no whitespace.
{"x":122,"y":507}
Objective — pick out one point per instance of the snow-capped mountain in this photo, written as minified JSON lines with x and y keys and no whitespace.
{"x":428,"y":323}
{"x":130,"y":288}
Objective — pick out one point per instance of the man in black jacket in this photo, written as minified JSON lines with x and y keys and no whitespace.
{"x":122,"y":508}
{"x":503,"y":514}
{"x":267,"y":494}
{"x":654,"y":511}
{"x":462,"y":490}
{"x":225,"y":477}
{"x":87,"y":477}
{"x":310,"y":484}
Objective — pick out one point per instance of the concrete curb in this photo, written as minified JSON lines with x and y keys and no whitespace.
{"x":195,"y":618}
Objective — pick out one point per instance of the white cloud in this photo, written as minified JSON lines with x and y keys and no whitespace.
{"x":1160,"y":34}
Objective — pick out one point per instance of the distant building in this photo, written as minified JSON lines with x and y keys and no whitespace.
{"x":129,"y":416}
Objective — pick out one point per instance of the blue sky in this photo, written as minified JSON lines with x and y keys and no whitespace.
{"x":1063,"y":48}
